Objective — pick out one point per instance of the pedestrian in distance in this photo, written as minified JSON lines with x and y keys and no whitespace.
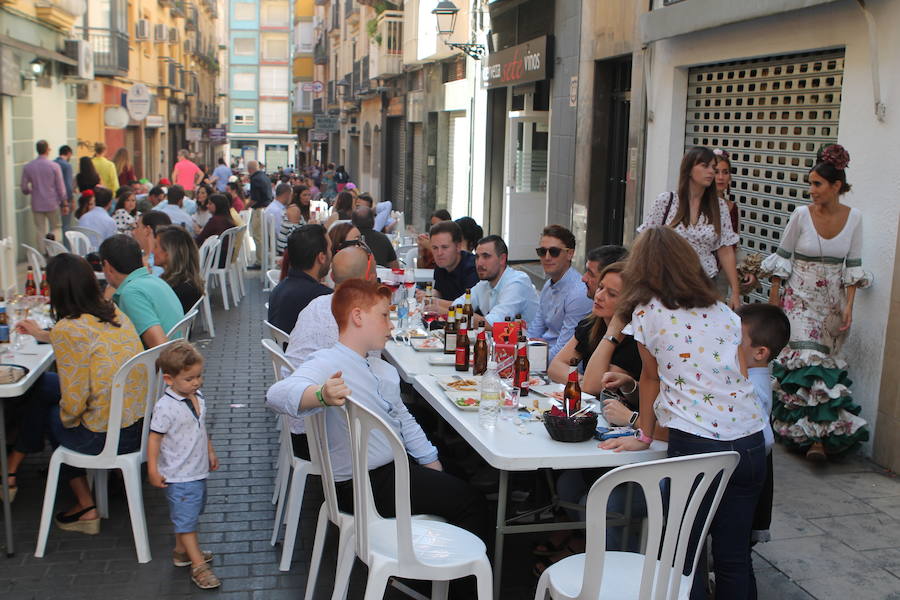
{"x":42,"y":179}
{"x":106,"y":169}
{"x":124,"y":168}
{"x":87,"y":178}
{"x":65,"y":154}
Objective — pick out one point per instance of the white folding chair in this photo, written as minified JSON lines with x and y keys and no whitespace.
{"x":129,"y":464}
{"x":207,"y":256}
{"x":657,"y":574}
{"x":269,"y":251}
{"x":78,"y":242}
{"x":221,"y":265}
{"x":93,"y":236}
{"x":239,"y":264}
{"x":404,"y":547}
{"x":35,"y":261}
{"x":273,"y":276}
{"x":53,"y":248}
{"x":200,"y":307}
{"x":182,"y":329}
{"x":282,"y":337}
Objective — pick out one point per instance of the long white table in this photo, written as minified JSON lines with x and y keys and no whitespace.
{"x":506,"y":448}
{"x":37,"y":358}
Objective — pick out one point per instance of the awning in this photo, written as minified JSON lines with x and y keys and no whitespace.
{"x":5,"y":40}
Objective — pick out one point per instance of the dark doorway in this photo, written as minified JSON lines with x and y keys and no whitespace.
{"x":609,"y":151}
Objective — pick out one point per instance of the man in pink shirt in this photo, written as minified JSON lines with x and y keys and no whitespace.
{"x":186,"y":173}
{"x":42,"y":180}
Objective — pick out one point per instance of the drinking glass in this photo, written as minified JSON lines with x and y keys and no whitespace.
{"x":510,"y":405}
{"x":18,"y":311}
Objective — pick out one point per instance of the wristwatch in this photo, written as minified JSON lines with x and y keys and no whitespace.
{"x":633,"y":419}
{"x":612,"y":338}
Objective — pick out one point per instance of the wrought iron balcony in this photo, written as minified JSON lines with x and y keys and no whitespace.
{"x":110,"y":50}
{"x":318,"y":109}
{"x":178,"y":8}
{"x":320,"y":52}
{"x":361,"y":76}
{"x":190,"y":23}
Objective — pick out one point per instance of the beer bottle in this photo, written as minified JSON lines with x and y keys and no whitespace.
{"x":480,"y":358}
{"x":450,"y":333}
{"x":572,"y":393}
{"x":467,"y":309}
{"x":521,"y":369}
{"x":30,"y":287}
{"x":462,"y":348}
{"x":45,"y":287}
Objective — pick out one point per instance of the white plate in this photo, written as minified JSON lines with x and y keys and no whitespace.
{"x":451,"y":383}
{"x":442,"y":360}
{"x":461,"y":400}
{"x":549,"y":388}
{"x":428,"y":344}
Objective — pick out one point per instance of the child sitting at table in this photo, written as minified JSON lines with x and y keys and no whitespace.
{"x":766,"y":330}
{"x":180,"y":455}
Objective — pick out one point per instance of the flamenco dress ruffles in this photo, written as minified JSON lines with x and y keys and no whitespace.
{"x":812,"y":398}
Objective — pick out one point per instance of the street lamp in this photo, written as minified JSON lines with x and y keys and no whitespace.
{"x":445,"y":13}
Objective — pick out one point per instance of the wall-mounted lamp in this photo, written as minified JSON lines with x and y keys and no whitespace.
{"x":445,"y":13}
{"x":37,"y":67}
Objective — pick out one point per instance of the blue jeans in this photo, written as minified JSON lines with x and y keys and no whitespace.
{"x":81,"y":439}
{"x":731,"y":526}
{"x":36,"y":404}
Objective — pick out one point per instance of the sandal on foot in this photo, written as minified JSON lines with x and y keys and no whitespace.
{"x":74,"y":522}
{"x":548,"y":548}
{"x":816,"y":452}
{"x":204,"y":577}
{"x":12,"y":489}
{"x":181,"y":559}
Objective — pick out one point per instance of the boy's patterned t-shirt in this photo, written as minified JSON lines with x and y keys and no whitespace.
{"x":702,"y":390}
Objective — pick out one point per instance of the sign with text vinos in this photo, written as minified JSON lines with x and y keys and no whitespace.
{"x":520,"y":64}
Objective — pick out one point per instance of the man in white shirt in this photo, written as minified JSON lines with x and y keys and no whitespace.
{"x":275,"y":209}
{"x":173,"y":208}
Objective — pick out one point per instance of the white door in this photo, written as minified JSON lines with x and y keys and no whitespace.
{"x":525,"y":201}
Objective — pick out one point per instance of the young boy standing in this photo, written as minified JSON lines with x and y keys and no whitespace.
{"x":766,"y":330}
{"x":180,"y":455}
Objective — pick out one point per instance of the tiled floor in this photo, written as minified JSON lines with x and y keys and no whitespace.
{"x":835,"y":529}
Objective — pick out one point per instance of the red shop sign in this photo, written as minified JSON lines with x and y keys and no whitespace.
{"x":520,"y":64}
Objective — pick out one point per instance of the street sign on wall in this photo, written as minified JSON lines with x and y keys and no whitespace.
{"x":520,"y":64}
{"x":329,"y":124}
{"x":318,"y":136}
{"x":137,"y":101}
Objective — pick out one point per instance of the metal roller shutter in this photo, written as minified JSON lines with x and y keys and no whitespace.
{"x":772,"y":115}
{"x":418,"y":176}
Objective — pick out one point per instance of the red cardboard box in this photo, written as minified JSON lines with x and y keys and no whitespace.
{"x":505,"y":335}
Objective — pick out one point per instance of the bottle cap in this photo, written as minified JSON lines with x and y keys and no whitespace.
{"x":573,"y":375}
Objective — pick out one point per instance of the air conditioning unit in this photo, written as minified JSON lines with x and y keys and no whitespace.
{"x":189,"y":46}
{"x":90,"y":92}
{"x":173,"y":35}
{"x":142,"y":29}
{"x":81,"y":51}
{"x":160,"y":34}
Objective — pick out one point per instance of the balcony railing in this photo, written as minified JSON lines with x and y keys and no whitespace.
{"x":361,"y":76}
{"x":173,"y":76}
{"x":335,"y":16}
{"x":318,"y":109}
{"x":178,"y":8}
{"x":332,"y":95}
{"x":110,"y":50}
{"x":320,"y":52}
{"x":386,"y":46}
{"x":190,"y":23}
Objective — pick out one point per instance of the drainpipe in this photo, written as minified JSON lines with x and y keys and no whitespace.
{"x":880,"y":107}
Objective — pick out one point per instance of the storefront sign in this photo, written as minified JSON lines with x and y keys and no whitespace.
{"x":218,"y":135}
{"x":115,"y":117}
{"x":315,"y":87}
{"x":154,"y":121}
{"x":330,"y":124}
{"x":137,"y":101}
{"x":193,"y":134}
{"x":520,"y":64}
{"x":318,"y":136}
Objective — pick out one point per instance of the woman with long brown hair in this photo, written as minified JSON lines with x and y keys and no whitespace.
{"x":124,"y":168}
{"x":177,"y":253}
{"x":695,"y":382}
{"x":699,"y":216}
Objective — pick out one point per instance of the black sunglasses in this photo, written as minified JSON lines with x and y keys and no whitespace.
{"x":553,"y":250}
{"x":351,"y":243}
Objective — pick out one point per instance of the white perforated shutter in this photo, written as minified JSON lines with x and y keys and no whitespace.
{"x":418,"y":175}
{"x":772,"y":115}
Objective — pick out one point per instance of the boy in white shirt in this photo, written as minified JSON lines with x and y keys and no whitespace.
{"x":765,"y":331}
{"x":180,"y":455}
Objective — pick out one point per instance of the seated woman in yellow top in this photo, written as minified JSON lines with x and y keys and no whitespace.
{"x":91,"y":340}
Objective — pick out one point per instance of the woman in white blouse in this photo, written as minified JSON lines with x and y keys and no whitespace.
{"x":695,"y":382}
{"x":697,"y":214}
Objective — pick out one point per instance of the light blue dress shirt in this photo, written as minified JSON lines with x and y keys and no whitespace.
{"x":373,"y":383}
{"x":178,"y":216}
{"x":223,"y":172}
{"x":513,"y":295}
{"x":98,"y":220}
{"x":562,"y":305}
{"x":761,"y":379}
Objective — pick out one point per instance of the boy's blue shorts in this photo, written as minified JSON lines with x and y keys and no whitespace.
{"x":186,"y":502}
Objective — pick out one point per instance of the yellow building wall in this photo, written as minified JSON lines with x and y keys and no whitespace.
{"x":304,"y":8}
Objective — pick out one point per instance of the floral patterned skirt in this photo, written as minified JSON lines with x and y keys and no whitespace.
{"x":812,"y":398}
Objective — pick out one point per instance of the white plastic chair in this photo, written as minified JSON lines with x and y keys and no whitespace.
{"x":200,"y":306}
{"x":129,"y":464}
{"x":282,"y":337}
{"x":182,"y":329}
{"x":54,"y":248}
{"x":36,"y":262}
{"x":207,"y":256}
{"x":268,"y":238}
{"x":292,"y":496}
{"x":656,"y":575}
{"x":224,"y":251}
{"x":93,"y":236}
{"x":404,"y":547}
{"x":239,"y":262}
{"x":78,"y":242}
{"x":273,"y":276}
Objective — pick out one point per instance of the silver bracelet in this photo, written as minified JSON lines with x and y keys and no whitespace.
{"x":633,"y":388}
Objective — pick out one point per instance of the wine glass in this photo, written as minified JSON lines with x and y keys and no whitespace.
{"x":18,"y":311}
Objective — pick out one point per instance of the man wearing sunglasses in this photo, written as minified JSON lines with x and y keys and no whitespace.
{"x":562,"y":303}
{"x":503,"y":291}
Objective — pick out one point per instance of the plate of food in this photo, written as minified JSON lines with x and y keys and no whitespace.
{"x":442,"y":360}
{"x":417,"y":333}
{"x":464,"y":400}
{"x":456,"y":383}
{"x":428,"y":344}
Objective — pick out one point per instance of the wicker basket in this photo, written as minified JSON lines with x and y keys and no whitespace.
{"x":569,"y":429}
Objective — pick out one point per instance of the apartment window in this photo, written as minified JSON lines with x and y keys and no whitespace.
{"x":244,"y":11}
{"x":244,"y":82}
{"x":276,"y":14}
{"x":243,"y":116}
{"x":273,"y":116}
{"x":244,"y":46}
{"x":273,"y":81}
{"x":304,"y":40}
{"x":303,"y":101}
{"x":275,"y":46}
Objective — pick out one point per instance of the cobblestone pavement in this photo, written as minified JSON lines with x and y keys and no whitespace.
{"x":836,"y":530}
